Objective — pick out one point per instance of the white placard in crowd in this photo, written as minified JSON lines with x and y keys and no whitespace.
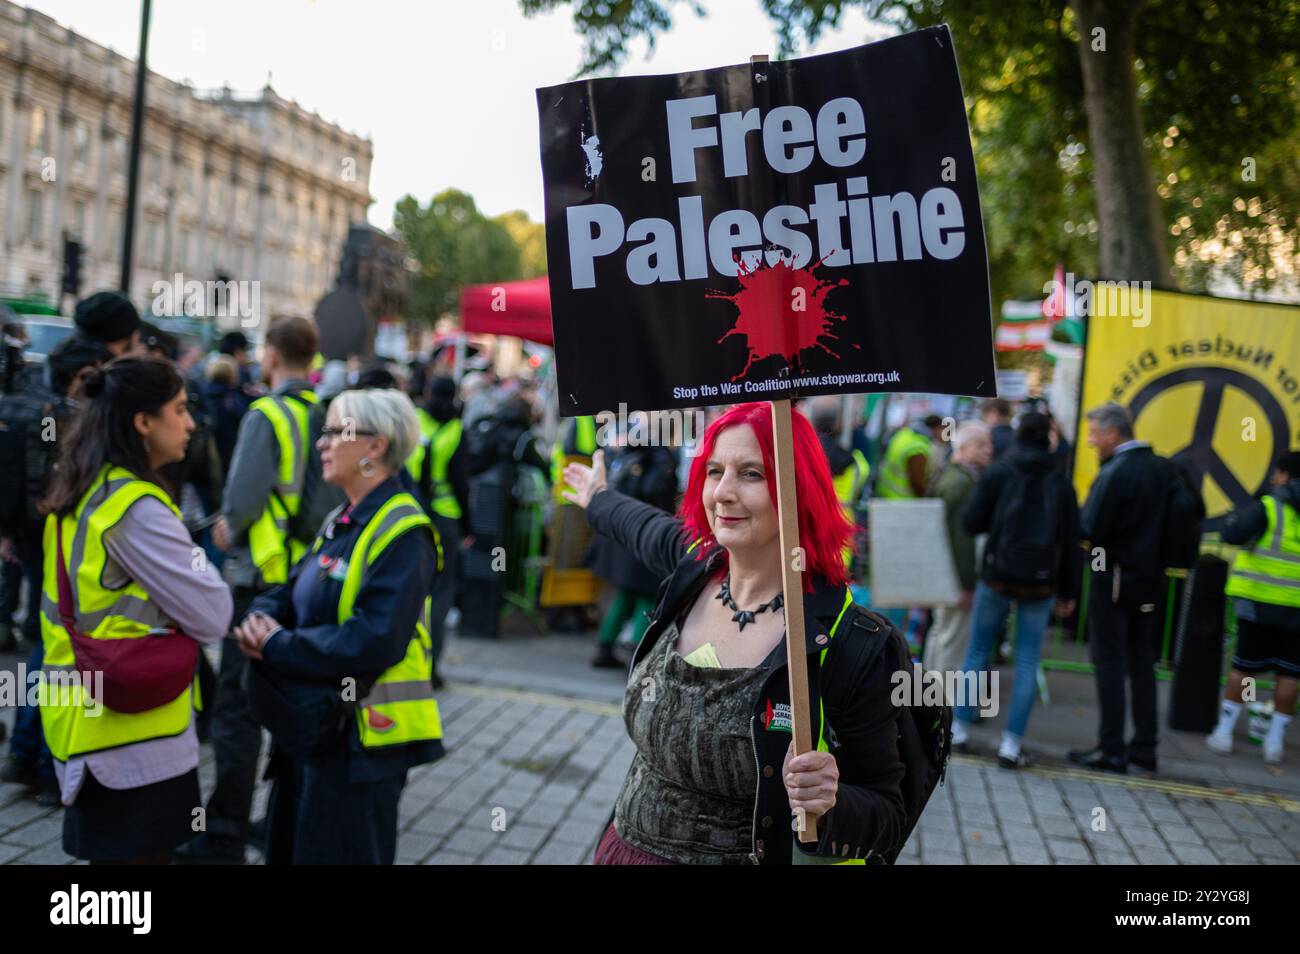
{"x":911,"y":562}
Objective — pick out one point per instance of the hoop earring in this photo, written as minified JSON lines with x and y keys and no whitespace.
{"x":367,"y":467}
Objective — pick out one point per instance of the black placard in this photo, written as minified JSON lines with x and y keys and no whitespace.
{"x":766,"y":231}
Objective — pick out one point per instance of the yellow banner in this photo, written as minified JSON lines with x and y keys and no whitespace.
{"x":1211,"y":382}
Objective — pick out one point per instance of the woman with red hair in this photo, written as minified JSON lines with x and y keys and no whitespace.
{"x":714,"y":780}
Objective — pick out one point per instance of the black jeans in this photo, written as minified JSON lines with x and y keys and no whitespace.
{"x":1123,"y":642}
{"x":236,"y":737}
{"x":443,"y":594}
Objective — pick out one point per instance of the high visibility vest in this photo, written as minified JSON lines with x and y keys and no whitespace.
{"x":849,"y":484}
{"x":904,"y":445}
{"x":400,"y":707}
{"x":428,"y":427}
{"x":1269,"y":571}
{"x":437,"y":447}
{"x":580,"y":441}
{"x":72,"y":723}
{"x":848,"y":487}
{"x":270,"y":546}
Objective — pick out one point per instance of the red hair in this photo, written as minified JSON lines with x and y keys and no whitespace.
{"x":824,"y":531}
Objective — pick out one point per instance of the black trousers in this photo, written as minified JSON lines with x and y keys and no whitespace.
{"x":444,"y":586}
{"x":1123,"y":644}
{"x":236,"y":737}
{"x":317,"y":817}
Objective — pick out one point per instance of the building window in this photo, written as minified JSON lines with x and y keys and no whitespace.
{"x":77,"y":226}
{"x":113,"y":235}
{"x":36,"y":138}
{"x":119,"y":155}
{"x":81,"y":143}
{"x":35,"y":216}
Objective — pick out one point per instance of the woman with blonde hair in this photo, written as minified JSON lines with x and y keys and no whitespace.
{"x":343,"y":662}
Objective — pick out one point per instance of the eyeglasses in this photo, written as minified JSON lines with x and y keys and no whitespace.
{"x":329,"y":432}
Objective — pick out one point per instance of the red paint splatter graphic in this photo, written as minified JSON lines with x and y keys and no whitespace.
{"x":782,"y":312}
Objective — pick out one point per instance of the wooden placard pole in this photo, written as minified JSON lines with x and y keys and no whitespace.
{"x":792,"y":566}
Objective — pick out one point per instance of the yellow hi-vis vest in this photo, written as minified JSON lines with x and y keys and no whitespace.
{"x":270,"y":546}
{"x":904,"y":445}
{"x":580,"y":442}
{"x":849,"y":484}
{"x":73,"y":723}
{"x":428,"y":427}
{"x":1269,"y":571}
{"x":848,"y":487}
{"x":400,"y":707}
{"x":439,"y":444}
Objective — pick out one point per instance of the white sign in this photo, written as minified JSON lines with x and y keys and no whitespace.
{"x":911,"y":562}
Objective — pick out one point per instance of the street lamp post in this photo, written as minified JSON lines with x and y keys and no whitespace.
{"x":133,"y":167}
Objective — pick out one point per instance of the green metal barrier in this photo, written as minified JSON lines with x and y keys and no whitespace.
{"x":1073,"y":656}
{"x":524,"y":546}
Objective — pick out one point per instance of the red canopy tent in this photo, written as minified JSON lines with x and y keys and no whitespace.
{"x":522,"y":309}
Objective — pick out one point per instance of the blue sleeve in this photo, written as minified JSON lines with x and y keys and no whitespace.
{"x":1244,"y":525}
{"x":383,"y":618}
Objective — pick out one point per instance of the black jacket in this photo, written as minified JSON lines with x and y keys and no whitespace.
{"x":648,"y":474}
{"x":980,"y":511}
{"x":1125,"y":515}
{"x":861,"y":721}
{"x":1243,"y":527}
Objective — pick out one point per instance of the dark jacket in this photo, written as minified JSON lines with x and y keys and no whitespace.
{"x":315,"y":648}
{"x":861,"y":721}
{"x":227,"y":405}
{"x":648,"y":474}
{"x":1003,"y":437}
{"x":1124,"y":515}
{"x":980,"y":514}
{"x":1243,"y":527}
{"x":836,"y":456}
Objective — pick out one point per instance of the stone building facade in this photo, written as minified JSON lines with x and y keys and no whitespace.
{"x":244,"y":188}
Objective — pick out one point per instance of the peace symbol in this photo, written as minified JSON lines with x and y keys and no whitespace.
{"x":1199,"y":458}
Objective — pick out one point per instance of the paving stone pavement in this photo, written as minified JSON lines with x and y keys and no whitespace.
{"x":530,"y":778}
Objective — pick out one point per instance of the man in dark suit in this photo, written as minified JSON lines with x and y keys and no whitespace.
{"x":1122,"y":524}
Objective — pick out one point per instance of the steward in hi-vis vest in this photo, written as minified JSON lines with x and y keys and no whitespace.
{"x":1264,"y":583}
{"x":440,"y":467}
{"x":894,"y":482}
{"x":126,"y":599}
{"x":100,"y":612}
{"x":358,"y":622}
{"x":262,"y":494}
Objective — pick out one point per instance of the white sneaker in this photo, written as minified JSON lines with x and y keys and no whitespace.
{"x":1272,"y":755}
{"x":1219,"y":742}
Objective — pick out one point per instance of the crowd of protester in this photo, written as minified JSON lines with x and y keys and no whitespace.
{"x":324,"y":522}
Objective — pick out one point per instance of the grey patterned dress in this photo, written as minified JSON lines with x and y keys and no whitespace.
{"x":689,"y":794}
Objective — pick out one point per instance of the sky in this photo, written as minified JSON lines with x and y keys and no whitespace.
{"x":444,"y":88}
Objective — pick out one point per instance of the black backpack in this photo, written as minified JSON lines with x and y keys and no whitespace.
{"x":924,"y":731}
{"x":1023,"y":549}
{"x":26,"y":420}
{"x":1180,"y":535}
{"x":318,"y":499}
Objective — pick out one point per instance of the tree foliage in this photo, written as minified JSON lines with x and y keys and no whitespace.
{"x":530,"y":236}
{"x":453,"y":245}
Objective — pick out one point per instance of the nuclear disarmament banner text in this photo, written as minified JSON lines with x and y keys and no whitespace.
{"x":767,"y":231}
{"x":1211,"y":382}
